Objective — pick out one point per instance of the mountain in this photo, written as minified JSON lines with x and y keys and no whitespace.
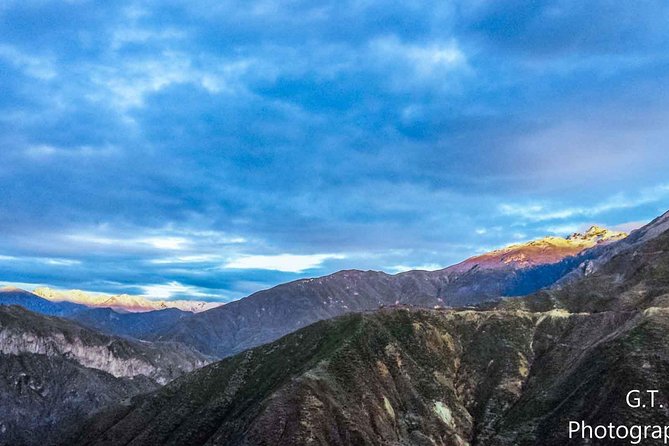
{"x":414,"y":377}
{"x":122,"y":302}
{"x":632,"y":274}
{"x":107,"y":320}
{"x":54,"y":370}
{"x":266,"y":315}
{"x":16,"y":296}
{"x":510,"y":373}
{"x":43,"y":396}
{"x":137,"y":325}
{"x":540,"y":252}
{"x":23,"y":331}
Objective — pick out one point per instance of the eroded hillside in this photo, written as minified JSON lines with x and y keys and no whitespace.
{"x":409,"y":377}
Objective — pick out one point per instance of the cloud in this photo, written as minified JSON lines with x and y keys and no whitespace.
{"x":536,"y":212}
{"x":169,"y":243}
{"x":150,"y":145}
{"x":129,"y":84}
{"x":37,"y":67}
{"x":45,"y":152}
{"x":167,"y":291}
{"x":561,"y":230}
{"x":158,"y":242}
{"x":202,"y":258}
{"x":291,"y":263}
{"x":427,"y":60}
{"x":629,"y":226}
{"x":62,"y":262}
{"x":403,"y":268}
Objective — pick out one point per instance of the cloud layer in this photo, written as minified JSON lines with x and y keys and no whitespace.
{"x":211,"y":149}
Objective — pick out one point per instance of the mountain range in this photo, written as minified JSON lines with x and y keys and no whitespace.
{"x":516,"y":270}
{"x":409,"y":376}
{"x":512,"y":372}
{"x":106,"y":319}
{"x":55,"y":370}
{"x":121,"y":302}
{"x":267,"y":315}
{"x":540,"y":252}
{"x":359,"y":357}
{"x":30,"y":301}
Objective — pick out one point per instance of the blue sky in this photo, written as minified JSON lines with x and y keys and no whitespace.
{"x":208,"y":149}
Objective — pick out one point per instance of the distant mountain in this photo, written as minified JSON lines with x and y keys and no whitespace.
{"x":137,"y":325}
{"x":632,"y":274}
{"x":512,"y":373}
{"x":122,"y":302}
{"x":541,"y":252}
{"x":33,"y":302}
{"x":107,"y":320}
{"x":54,"y":371}
{"x":267,"y":315}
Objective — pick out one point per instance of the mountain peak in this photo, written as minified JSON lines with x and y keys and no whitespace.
{"x":596,"y":234}
{"x":542,"y":251}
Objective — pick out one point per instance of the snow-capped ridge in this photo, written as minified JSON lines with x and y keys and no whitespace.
{"x":121,"y":302}
{"x":596,"y":234}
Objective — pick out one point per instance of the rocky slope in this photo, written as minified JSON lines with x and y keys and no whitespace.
{"x":269,"y":314}
{"x":410,"y":377}
{"x":121,"y":302}
{"x":53,"y":372}
{"x":42,"y":396}
{"x":22,"y":331}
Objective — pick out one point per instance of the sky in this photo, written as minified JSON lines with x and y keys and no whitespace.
{"x":210,"y":149}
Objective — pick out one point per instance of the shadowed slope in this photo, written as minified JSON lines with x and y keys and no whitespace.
{"x":408,"y":377}
{"x":137,"y":325}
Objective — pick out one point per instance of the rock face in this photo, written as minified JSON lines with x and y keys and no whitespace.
{"x":42,"y":396}
{"x":54,"y":372}
{"x":22,"y":331}
{"x":265,"y":316}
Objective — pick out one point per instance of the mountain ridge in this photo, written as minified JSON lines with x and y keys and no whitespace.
{"x":403,"y":376}
{"x":54,"y":372}
{"x":541,"y":251}
{"x":31,"y":301}
{"x":121,"y":302}
{"x":269,"y":314}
